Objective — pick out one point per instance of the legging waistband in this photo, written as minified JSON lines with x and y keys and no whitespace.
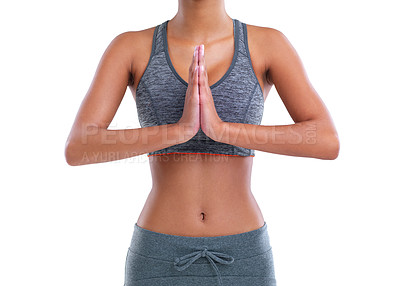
{"x":183,"y":251}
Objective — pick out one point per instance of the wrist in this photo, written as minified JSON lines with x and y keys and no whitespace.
{"x":183,"y":133}
{"x":220,"y":131}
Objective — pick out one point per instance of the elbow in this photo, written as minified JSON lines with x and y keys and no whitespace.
{"x":70,"y":154}
{"x":333,"y":147}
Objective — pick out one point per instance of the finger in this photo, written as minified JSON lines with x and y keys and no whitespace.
{"x":202,"y":80}
{"x":197,"y":69}
{"x":196,"y":56}
{"x":200,"y":69}
{"x":193,"y":65}
{"x":203,"y":70}
{"x":196,"y":77}
{"x":202,"y":60}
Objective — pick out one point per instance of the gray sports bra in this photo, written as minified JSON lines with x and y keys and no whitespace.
{"x":238,"y":97}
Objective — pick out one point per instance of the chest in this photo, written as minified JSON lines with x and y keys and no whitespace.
{"x":219,"y":57}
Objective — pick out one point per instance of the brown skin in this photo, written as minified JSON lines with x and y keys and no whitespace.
{"x":201,"y":195}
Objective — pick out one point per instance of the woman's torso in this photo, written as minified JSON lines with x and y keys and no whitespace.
{"x":197,"y":194}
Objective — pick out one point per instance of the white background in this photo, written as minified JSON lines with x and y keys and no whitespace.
{"x":330,"y":222}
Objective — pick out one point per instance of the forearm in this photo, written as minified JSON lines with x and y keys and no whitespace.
{"x":96,"y":144}
{"x":310,"y":138}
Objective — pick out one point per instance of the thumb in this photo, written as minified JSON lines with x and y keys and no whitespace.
{"x":202,"y":84}
{"x":196,"y":80}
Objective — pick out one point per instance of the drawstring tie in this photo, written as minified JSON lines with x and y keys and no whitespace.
{"x":185,"y":261}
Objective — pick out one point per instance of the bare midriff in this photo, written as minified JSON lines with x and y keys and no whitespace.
{"x":200,"y":195}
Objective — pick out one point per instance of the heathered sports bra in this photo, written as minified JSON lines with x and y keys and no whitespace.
{"x":238,"y":97}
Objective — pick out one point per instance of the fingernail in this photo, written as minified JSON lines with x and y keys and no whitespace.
{"x":202,"y":50}
{"x":195,"y":48}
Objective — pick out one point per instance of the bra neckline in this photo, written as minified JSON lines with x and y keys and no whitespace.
{"x":236,"y":48}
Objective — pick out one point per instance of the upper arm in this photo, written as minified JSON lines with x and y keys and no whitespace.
{"x":107,"y":88}
{"x":287,"y":73}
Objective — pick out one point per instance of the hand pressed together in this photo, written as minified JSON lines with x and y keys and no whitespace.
{"x":210,"y":122}
{"x":199,"y":109}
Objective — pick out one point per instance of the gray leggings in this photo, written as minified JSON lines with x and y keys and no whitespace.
{"x":159,"y":259}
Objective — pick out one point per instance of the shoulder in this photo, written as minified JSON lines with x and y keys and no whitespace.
{"x":130,"y":46}
{"x":271,"y":46}
{"x":270,"y":37}
{"x":138,"y":35}
{"x":125,"y":39}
